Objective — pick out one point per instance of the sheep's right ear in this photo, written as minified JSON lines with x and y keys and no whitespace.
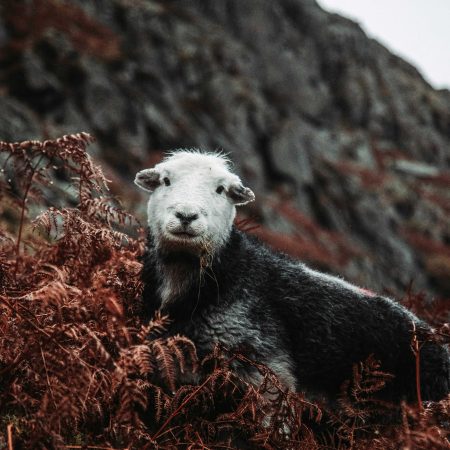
{"x":147,"y":179}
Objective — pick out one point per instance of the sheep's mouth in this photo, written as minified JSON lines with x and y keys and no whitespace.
{"x":183,"y":234}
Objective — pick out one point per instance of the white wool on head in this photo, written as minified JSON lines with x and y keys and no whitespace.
{"x":193,"y":201}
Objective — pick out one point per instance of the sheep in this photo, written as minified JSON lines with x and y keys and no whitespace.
{"x":220,"y":285}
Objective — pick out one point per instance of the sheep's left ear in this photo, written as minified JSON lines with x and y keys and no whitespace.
{"x":240,"y":194}
{"x":147,"y":179}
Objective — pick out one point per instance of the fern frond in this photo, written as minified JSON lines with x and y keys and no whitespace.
{"x":185,"y":352}
{"x":165,"y":362}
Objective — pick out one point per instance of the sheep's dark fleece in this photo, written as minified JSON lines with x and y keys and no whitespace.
{"x":307,"y":328}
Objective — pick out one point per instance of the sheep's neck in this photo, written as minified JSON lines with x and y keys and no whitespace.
{"x":181,"y":280}
{"x":175,"y":281}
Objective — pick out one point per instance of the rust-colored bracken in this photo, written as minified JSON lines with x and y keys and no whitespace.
{"x":81,"y":367}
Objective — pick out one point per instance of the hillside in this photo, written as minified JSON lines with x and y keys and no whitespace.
{"x":345,"y":144}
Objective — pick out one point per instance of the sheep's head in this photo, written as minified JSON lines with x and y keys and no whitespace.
{"x":193,"y":201}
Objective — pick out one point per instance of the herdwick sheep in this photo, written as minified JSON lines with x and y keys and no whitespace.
{"x":220,"y":285}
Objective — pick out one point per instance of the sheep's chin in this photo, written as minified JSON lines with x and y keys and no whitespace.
{"x":181,"y":242}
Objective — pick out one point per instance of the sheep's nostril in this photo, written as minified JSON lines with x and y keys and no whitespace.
{"x":186,"y":219}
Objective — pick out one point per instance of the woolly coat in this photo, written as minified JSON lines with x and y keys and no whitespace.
{"x":310,"y":329}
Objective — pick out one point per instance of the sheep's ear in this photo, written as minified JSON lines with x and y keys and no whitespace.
{"x":147,"y":179}
{"x":240,"y":194}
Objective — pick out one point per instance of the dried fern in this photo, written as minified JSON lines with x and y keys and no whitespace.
{"x":79,"y":364}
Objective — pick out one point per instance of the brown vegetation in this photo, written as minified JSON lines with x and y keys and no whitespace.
{"x":81,"y":368}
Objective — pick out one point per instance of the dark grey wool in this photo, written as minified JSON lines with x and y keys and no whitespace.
{"x":309,"y":329}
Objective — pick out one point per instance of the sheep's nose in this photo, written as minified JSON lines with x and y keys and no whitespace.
{"x":186,"y":219}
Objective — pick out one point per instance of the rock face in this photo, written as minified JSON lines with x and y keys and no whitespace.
{"x":345,"y":144}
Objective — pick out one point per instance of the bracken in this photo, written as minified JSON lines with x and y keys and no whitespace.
{"x":80,"y":367}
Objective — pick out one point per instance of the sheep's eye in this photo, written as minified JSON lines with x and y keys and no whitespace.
{"x":220,"y":189}
{"x":166,"y":181}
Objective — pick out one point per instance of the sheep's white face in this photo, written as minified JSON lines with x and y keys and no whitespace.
{"x":192,"y":202}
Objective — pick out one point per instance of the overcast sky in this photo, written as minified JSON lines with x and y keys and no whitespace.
{"x":416,"y":30}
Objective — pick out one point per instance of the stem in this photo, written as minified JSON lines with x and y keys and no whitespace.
{"x":419,"y":395}
{"x":19,"y":236}
{"x":22,"y":215}
{"x":416,"y":351}
{"x":80,"y":192}
{"x":48,"y":379}
{"x":10,"y":436}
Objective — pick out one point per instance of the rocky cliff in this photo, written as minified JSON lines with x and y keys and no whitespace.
{"x":346,"y":145}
